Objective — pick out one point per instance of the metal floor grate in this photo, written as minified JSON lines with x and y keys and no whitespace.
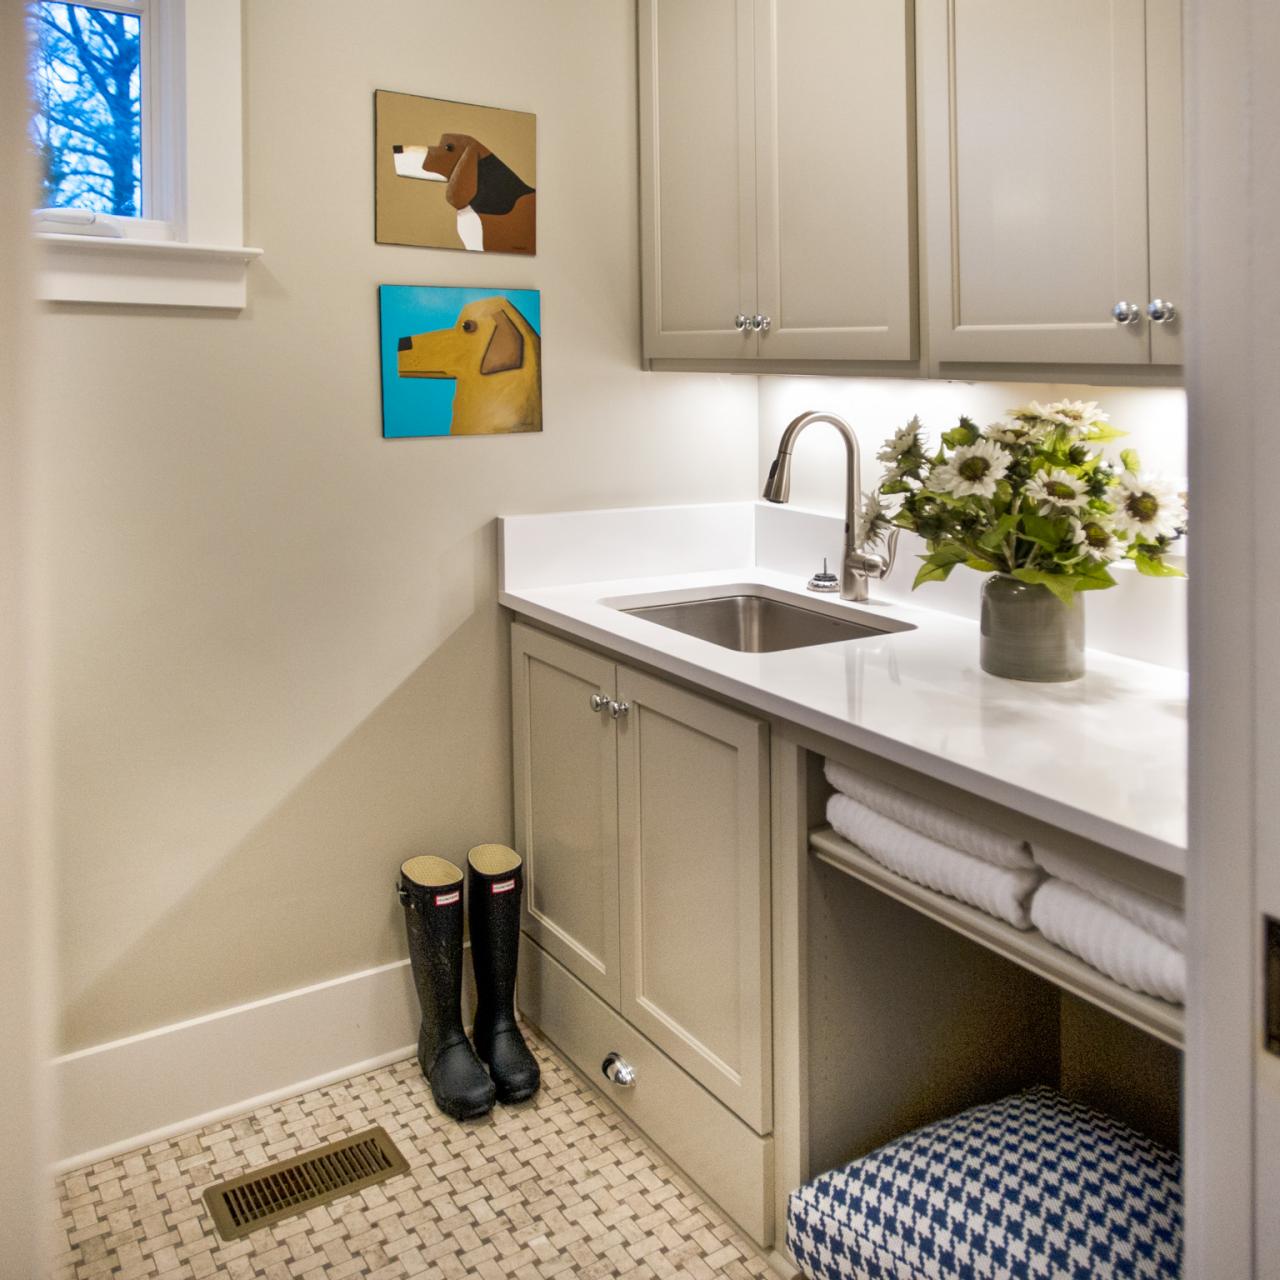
{"x":253,"y":1200}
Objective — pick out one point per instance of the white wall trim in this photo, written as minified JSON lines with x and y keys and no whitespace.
{"x":129,"y":1093}
{"x":155,"y":273}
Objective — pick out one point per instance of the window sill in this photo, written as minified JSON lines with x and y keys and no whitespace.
{"x":148,"y":273}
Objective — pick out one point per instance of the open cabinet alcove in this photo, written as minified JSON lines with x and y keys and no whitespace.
{"x":896,"y":1007}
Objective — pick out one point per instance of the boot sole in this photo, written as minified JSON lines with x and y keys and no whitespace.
{"x":475,"y":1113}
{"x":521,"y":1095}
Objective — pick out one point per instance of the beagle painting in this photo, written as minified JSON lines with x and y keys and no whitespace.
{"x":451,"y":175}
{"x":497,"y":210}
{"x":461,"y":362}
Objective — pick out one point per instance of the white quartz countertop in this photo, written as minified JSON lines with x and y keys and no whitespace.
{"x":1103,"y":757}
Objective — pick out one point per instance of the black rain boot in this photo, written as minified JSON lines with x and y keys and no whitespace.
{"x":495,"y":882}
{"x":430,"y":891}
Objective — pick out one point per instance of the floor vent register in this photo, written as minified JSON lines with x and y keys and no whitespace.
{"x":241,"y":1205}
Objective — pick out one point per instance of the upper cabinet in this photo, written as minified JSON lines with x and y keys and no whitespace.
{"x":777,"y":156}
{"x":1051,"y":180}
{"x":779,"y":180}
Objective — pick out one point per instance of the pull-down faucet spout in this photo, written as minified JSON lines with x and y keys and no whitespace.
{"x":857,"y":566}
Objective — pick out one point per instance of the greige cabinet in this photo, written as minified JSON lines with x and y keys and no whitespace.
{"x":642,"y":813}
{"x":1051,"y":178}
{"x":777,"y":208}
{"x":566,"y":798}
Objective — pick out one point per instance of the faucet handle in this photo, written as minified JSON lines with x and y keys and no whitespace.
{"x":873,"y":565}
{"x":890,"y":551}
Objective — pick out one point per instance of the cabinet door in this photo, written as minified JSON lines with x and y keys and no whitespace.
{"x":1165,"y":171}
{"x":566,"y":819}
{"x":835,"y":147}
{"x":1034,"y":173}
{"x":697,"y":169}
{"x":693,"y":804}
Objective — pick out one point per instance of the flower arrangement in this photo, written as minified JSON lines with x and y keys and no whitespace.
{"x":1032,"y":498}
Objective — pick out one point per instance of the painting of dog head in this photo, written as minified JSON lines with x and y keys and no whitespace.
{"x":460,"y":362}
{"x":449,"y":175}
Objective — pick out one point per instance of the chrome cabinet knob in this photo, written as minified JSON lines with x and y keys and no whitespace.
{"x":617,"y":1070}
{"x":619,"y":709}
{"x":1126,"y":313}
{"x":599,"y":702}
{"x":740,"y":322}
{"x":761,"y":323}
{"x":1161,"y":312}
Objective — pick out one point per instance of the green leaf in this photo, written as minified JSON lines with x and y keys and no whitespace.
{"x":931,"y":573}
{"x":1154,"y":567}
{"x":1130,"y":459}
{"x":1092,"y":580}
{"x":994,"y":538}
{"x":1059,"y":583}
{"x":965,"y":433}
{"x":982,"y":566}
{"x":1101,"y":431}
{"x":1047,"y":532}
{"x":1094,"y":573}
{"x":939,"y":562}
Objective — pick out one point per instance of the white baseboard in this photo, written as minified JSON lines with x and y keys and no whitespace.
{"x":132,"y":1092}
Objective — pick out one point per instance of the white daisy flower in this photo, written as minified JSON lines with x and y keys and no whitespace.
{"x":904,"y":441}
{"x":876,"y":517}
{"x":1147,"y":507}
{"x":1075,"y":413}
{"x":1016,"y":433}
{"x":1033,"y":412}
{"x":1057,"y":491}
{"x":1095,"y":541}
{"x":972,"y":470}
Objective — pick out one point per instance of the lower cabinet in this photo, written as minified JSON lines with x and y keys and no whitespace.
{"x":642,"y":815}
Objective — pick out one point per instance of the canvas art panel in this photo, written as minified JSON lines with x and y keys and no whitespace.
{"x":462,"y":362}
{"x":450,"y":175}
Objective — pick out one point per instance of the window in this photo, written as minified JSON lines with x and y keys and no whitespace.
{"x":126,"y":94}
{"x":88,"y":81}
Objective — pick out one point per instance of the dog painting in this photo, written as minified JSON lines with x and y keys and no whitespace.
{"x":449,"y":175}
{"x":460,"y":362}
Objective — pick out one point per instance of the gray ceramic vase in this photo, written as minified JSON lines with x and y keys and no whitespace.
{"x":1028,"y":633}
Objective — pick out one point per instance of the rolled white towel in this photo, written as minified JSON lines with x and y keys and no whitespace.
{"x":1002,"y":892}
{"x":1077,"y":922}
{"x":1166,"y":922}
{"x":951,"y":829}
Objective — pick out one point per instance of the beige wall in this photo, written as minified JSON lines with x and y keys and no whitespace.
{"x":24,"y":925}
{"x":277,"y":664}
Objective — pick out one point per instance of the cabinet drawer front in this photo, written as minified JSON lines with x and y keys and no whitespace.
{"x":732,"y":1164}
{"x":1035,"y":179}
{"x":692,"y":805}
{"x":565,"y":766}
{"x":697,"y":145}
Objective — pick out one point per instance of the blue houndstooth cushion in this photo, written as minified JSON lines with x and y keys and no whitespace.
{"x":1032,"y":1187}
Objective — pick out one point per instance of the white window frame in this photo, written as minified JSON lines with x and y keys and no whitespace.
{"x":188,"y":249}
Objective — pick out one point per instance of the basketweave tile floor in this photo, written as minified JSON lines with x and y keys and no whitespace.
{"x":559,"y":1186}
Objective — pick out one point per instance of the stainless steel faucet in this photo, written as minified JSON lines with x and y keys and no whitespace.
{"x":858,"y":566}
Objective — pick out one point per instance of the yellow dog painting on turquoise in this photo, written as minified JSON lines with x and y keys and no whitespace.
{"x":461,"y":362}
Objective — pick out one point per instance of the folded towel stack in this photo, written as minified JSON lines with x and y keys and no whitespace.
{"x":1129,"y":935}
{"x":1132,"y":936}
{"x":931,"y":846}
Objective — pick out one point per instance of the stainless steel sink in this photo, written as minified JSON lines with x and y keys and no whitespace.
{"x":759,"y":624}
